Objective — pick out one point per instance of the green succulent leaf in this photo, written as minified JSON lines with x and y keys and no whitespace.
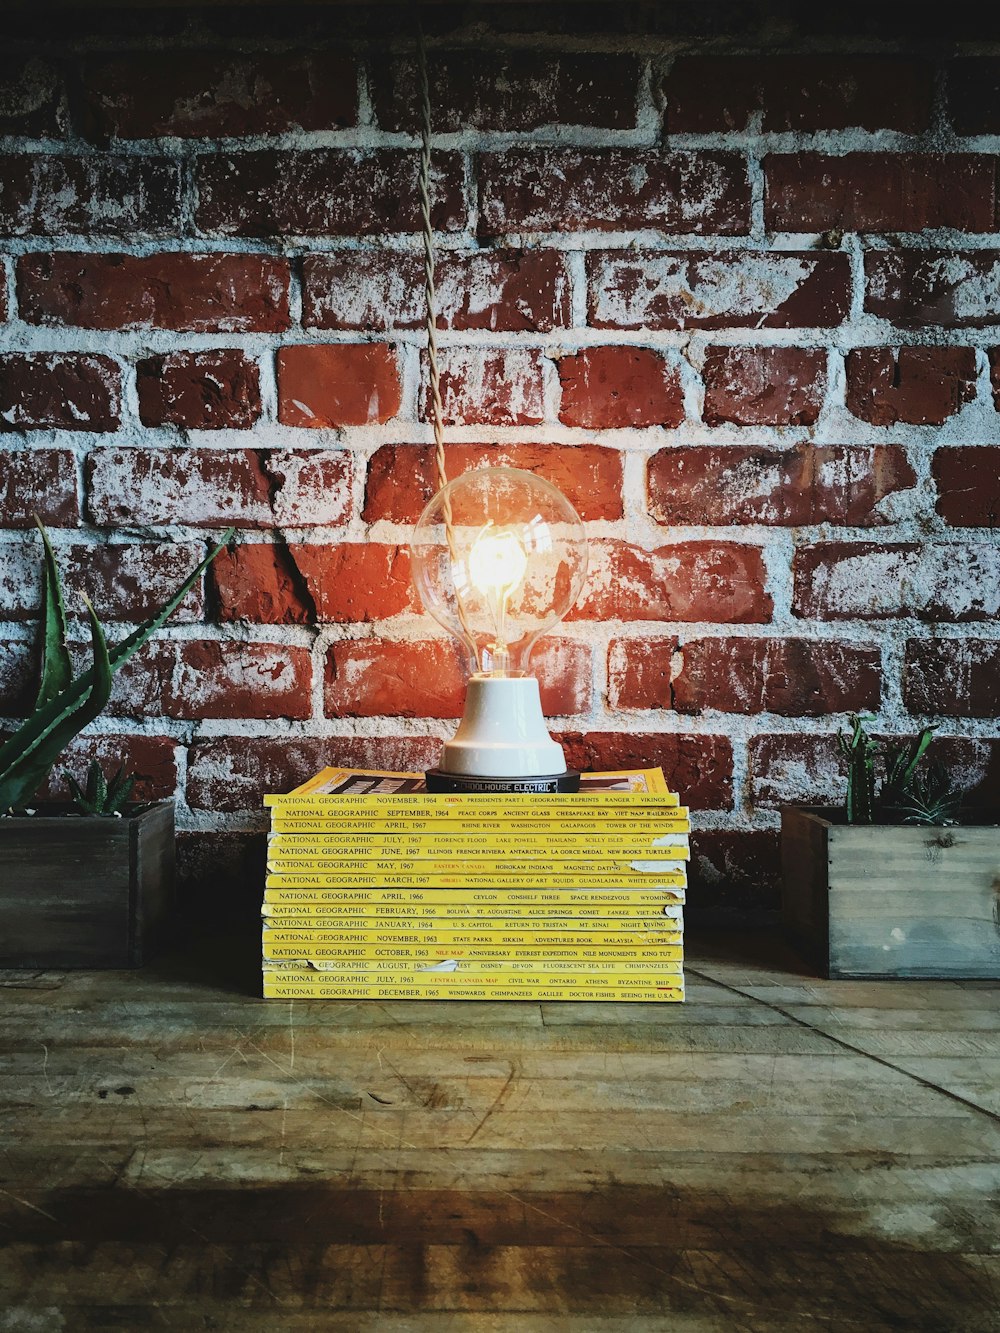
{"x":57,"y":670}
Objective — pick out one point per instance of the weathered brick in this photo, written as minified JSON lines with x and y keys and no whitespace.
{"x":215,"y":95}
{"x":502,"y":290}
{"x":297,"y":584}
{"x":604,"y":387}
{"x":952,"y":677}
{"x":879,"y":192}
{"x":196,"y":679}
{"x":200,"y":293}
{"x":733,"y":874}
{"x":974,"y":94}
{"x":569,"y":189}
{"x":403,"y":477}
{"x":125,"y":582}
{"x":18,"y":677}
{"x":323,"y":191}
{"x":699,"y":767}
{"x":50,"y":194}
{"x":968,"y":485}
{"x":38,"y":481}
{"x":994,"y":358}
{"x":199,"y":390}
{"x":30,"y":98}
{"x":510,"y":91}
{"x":721,"y":582}
{"x":487,"y":386}
{"x":949,"y":288}
{"x":232,"y":773}
{"x":764,"y":386}
{"x":209,"y":488}
{"x":639,"y":672}
{"x":345,"y":384}
{"x":798,"y":486}
{"x":940,"y":581}
{"x":795,"y":677}
{"x":741,"y":289}
{"x":376,"y":677}
{"x":152,"y":759}
{"x":58,"y":390}
{"x":919,"y":385}
{"x":803,"y":93}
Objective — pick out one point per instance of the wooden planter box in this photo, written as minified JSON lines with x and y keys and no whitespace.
{"x":85,"y":892}
{"x":891,"y":901}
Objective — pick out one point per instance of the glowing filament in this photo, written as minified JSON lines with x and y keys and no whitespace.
{"x":497,"y":564}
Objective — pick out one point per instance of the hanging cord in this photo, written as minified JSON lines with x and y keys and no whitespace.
{"x":430,"y":310}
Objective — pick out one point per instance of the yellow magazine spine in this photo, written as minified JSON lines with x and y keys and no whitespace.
{"x":655,"y":897}
{"x":595,"y":993}
{"x":403,"y":912}
{"x":544,"y":971}
{"x":482,"y":803}
{"x":676,"y":821}
{"x":629,"y":938}
{"x":422,"y":955}
{"x":347,"y":866}
{"x":666,"y":978}
{"x":616,"y":882}
{"x":476,"y":847}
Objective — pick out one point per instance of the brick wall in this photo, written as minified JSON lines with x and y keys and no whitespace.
{"x":736,"y":291}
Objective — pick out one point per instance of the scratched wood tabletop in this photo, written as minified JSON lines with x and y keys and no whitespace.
{"x":780,"y":1153}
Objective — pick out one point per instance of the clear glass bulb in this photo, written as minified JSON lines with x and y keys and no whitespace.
{"x":499,"y":557}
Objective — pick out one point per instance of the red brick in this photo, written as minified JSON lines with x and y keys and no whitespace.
{"x":952,"y":677}
{"x":18,"y":677}
{"x":197,"y":679}
{"x":376,"y":677}
{"x":733,"y":289}
{"x":571,"y":189}
{"x":802,"y":93}
{"x":124,"y":582}
{"x":30,"y":98}
{"x":152,"y":759}
{"x":216,"y":95}
{"x":510,"y":91}
{"x":295,"y":584}
{"x":794,"y":677}
{"x":764,"y":386}
{"x":733,"y":874}
{"x":232,"y":773}
{"x":199,"y":293}
{"x":968,"y":485}
{"x":38,"y":481}
{"x":639,"y":672}
{"x":346,"y":384}
{"x":949,"y":288}
{"x":793,"y":487}
{"x":699,"y":767}
{"x":942,"y":581}
{"x":59,"y":390}
{"x":879,"y":192}
{"x":50,"y":194}
{"x":487,"y":386}
{"x":974,"y":94}
{"x":323,"y":191}
{"x":497,"y":290}
{"x":604,"y":387}
{"x":210,"y":488}
{"x":403,"y":477}
{"x":199,"y":390}
{"x":919,"y":385}
{"x":994,"y":357}
{"x":722,"y":582}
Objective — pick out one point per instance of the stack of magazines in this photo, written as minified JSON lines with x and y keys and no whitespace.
{"x":378,"y":889}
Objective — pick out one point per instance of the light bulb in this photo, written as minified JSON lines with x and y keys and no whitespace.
{"x":499,"y":556}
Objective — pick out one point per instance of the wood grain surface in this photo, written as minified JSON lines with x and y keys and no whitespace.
{"x":780,"y":1153}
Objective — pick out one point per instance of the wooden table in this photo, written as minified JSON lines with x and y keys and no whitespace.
{"x":781,"y":1153}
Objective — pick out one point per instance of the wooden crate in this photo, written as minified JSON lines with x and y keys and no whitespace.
{"x":892,"y":901}
{"x":85,"y":892}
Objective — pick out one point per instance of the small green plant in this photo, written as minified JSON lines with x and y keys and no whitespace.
{"x":907,"y":794}
{"x":102,"y":796}
{"x":66,"y":703}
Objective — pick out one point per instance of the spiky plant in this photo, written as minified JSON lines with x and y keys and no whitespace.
{"x":101,"y":796}
{"x":859,"y":750}
{"x":901,"y":768}
{"x":929,"y":798}
{"x":66,"y":703}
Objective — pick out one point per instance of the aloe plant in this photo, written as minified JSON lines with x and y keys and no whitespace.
{"x":101,"y":796}
{"x":907,"y":794}
{"x":66,"y":703}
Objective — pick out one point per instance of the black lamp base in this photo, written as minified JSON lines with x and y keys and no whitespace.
{"x":439,"y":781}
